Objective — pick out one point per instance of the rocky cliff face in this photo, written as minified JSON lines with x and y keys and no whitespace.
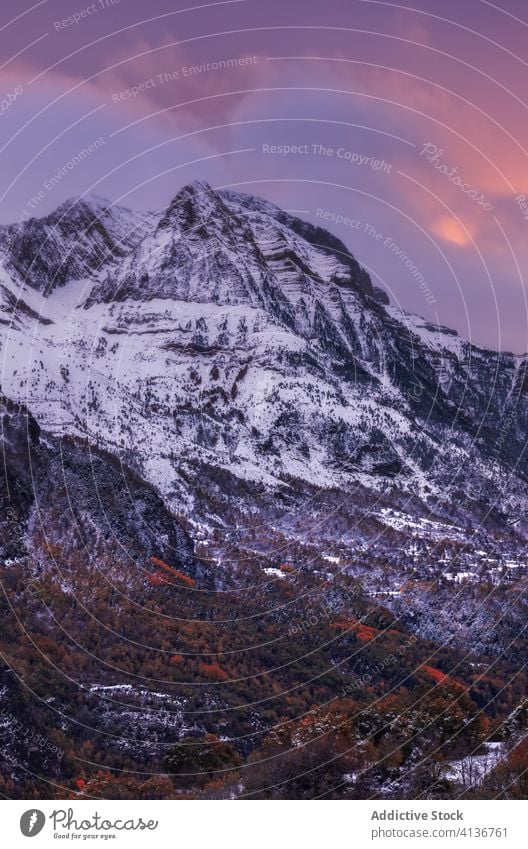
{"x":225,"y":330}
{"x":238,"y":360}
{"x":79,"y":239}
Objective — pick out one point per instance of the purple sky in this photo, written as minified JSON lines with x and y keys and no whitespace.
{"x":349,"y":82}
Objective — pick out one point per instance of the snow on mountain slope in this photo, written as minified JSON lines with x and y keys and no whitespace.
{"x":78,"y":239}
{"x":225,"y":332}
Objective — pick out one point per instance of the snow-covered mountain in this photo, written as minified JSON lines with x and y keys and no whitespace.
{"x":236,"y":480}
{"x":227,"y":333}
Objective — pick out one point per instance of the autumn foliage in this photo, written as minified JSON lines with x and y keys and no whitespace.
{"x":213,"y":671}
{"x":185,"y":579}
{"x":364,"y":633}
{"x":441,"y":678}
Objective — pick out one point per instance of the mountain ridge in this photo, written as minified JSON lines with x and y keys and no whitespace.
{"x":280,"y":356}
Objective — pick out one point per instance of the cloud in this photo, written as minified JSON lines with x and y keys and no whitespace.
{"x":447,"y":228}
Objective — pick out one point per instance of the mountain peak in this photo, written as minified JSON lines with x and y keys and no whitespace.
{"x":270,"y":349}
{"x":90,"y":203}
{"x":196,"y":187}
{"x":78,"y":239}
{"x":192,"y":206}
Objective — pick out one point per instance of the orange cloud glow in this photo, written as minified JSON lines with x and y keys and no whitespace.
{"x":448,"y":229}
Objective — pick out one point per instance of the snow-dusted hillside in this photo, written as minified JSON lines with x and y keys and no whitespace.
{"x":225,"y":332}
